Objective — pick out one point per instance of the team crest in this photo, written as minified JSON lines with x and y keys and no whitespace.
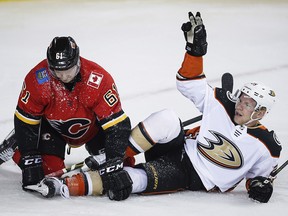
{"x":272,"y":93}
{"x":95,"y":80}
{"x":222,"y":151}
{"x":74,"y":128}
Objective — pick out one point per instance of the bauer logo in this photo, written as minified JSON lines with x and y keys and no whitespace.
{"x":95,"y":80}
{"x":42,"y":76}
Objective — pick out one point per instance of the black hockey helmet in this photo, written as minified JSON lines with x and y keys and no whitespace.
{"x":62,"y":54}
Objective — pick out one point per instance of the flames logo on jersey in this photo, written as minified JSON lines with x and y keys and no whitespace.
{"x":72,"y":128}
{"x":222,"y":151}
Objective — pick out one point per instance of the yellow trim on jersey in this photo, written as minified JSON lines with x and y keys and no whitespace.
{"x":114,"y":121}
{"x":26,"y":120}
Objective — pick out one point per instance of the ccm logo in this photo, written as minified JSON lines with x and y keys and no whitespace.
{"x":33,"y":161}
{"x":110,"y":169}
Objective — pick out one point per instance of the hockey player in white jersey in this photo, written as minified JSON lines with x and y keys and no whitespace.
{"x":231,"y":144}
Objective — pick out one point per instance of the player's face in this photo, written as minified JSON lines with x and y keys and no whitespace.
{"x":244,"y":108}
{"x":66,"y":76}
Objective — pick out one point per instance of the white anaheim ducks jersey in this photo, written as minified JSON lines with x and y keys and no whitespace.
{"x":224,"y":153}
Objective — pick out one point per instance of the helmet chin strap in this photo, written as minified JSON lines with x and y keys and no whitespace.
{"x":251,"y":119}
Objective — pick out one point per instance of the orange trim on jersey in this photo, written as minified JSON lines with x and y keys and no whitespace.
{"x":26,"y":120}
{"x":193,"y":132}
{"x":192,"y":66}
{"x":114,"y":121}
{"x":262,"y":127}
{"x":129,"y":152}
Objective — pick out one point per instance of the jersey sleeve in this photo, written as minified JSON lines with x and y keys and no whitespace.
{"x":263,"y":167}
{"x":113,"y":120}
{"x":108,"y":108}
{"x":191,"y":68}
{"x":270,"y":156}
{"x":29,"y":111}
{"x":191,"y":81}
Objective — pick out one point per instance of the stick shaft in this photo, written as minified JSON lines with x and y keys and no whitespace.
{"x":59,"y":173}
{"x":191,"y":121}
{"x":273,"y":174}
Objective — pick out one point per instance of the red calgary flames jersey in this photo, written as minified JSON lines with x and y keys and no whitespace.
{"x":72,"y":113}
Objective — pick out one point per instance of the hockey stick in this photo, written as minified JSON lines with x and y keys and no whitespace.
{"x":227,"y":84}
{"x":65,"y":170}
{"x":9,"y":140}
{"x":7,"y":147}
{"x":275,"y":172}
{"x":191,"y":121}
{"x":97,"y":161}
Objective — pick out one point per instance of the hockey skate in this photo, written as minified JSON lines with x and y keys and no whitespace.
{"x":7,"y":147}
{"x":50,"y":187}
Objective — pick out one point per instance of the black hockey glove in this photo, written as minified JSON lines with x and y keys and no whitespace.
{"x":116,"y":181}
{"x":260,"y":189}
{"x":94,"y":162}
{"x":195,"y":35}
{"x":32,"y":171}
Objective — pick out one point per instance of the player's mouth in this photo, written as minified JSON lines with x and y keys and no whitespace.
{"x":237,"y":114}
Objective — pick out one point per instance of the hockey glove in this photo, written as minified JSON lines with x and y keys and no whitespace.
{"x":116,"y":181}
{"x":195,"y":35}
{"x":260,"y":189}
{"x":93,"y":162}
{"x":32,"y":171}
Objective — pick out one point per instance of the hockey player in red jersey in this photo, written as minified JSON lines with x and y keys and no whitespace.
{"x":230,"y":145}
{"x":67,"y":99}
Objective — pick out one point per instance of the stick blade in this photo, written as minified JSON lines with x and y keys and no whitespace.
{"x":227,"y":82}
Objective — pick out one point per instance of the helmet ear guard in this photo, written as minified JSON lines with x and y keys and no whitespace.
{"x":63,"y":53}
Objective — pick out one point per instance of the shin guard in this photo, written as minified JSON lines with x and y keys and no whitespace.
{"x":164,"y":177}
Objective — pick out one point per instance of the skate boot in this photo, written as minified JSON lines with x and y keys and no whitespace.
{"x":55,"y":187}
{"x":7,"y":147}
{"x":50,"y":187}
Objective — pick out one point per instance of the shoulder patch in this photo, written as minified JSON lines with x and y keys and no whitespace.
{"x":276,"y":138}
{"x":42,"y":76}
{"x":95,"y":80}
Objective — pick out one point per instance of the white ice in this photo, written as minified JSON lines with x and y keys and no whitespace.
{"x":140,"y":43}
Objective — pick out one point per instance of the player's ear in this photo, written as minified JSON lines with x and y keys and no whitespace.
{"x":260,"y":114}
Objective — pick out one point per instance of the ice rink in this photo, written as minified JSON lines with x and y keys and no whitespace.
{"x":141,"y":44}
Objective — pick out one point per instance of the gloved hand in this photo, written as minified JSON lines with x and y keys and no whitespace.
{"x":260,"y":189}
{"x":116,"y":181}
{"x":93,"y":162}
{"x":195,"y":35}
{"x":32,"y":171}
